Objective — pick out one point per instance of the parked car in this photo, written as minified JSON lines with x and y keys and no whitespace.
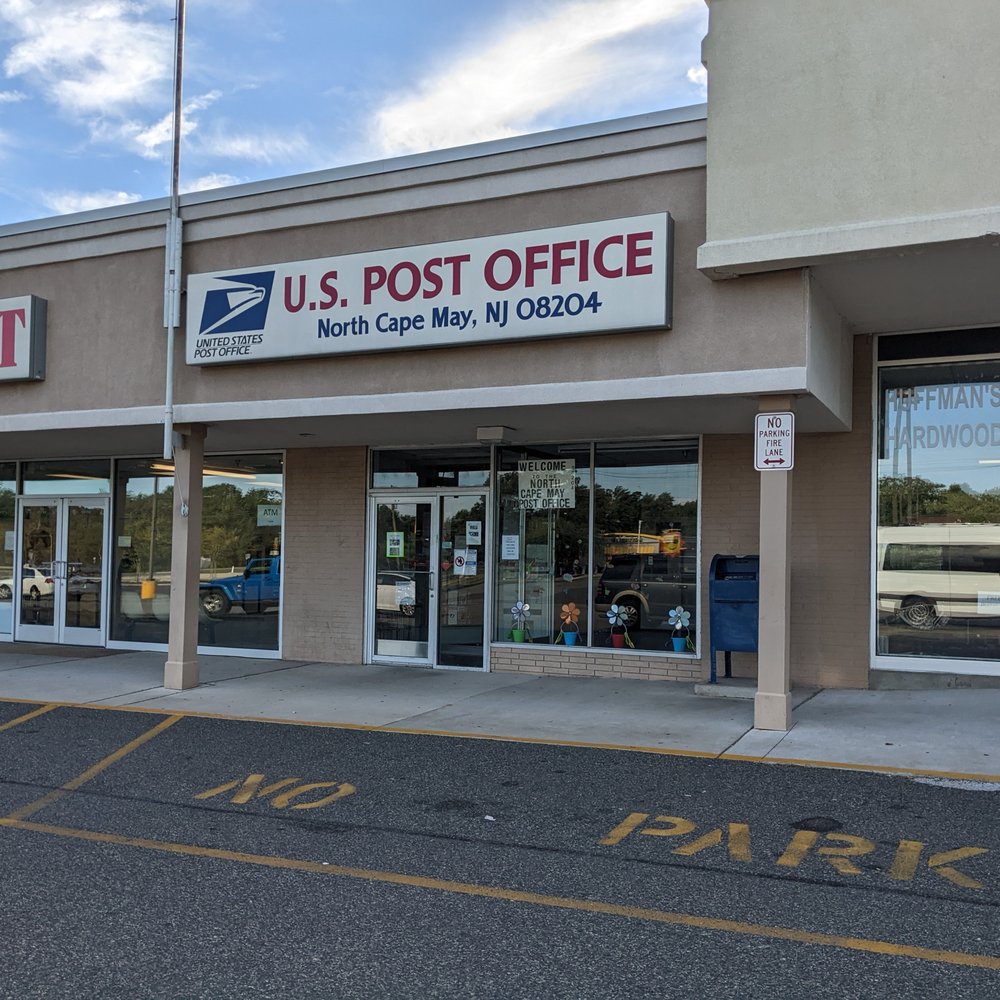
{"x":649,"y":585}
{"x":396,"y":592}
{"x":929,"y":574}
{"x":83,"y":579}
{"x":35,"y":583}
{"x":257,"y":588}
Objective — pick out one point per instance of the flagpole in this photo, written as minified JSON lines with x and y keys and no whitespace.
{"x":174,"y":240}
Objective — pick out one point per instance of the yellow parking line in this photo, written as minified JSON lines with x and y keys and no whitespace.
{"x":57,"y":793}
{"x":871,"y":946}
{"x":27,"y":717}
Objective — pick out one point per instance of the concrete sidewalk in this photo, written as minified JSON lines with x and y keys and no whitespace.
{"x":953,"y":733}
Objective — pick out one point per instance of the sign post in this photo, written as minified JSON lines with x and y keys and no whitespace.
{"x":774,"y":442}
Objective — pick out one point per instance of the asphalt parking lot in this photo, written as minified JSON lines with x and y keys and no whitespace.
{"x":164,"y":855}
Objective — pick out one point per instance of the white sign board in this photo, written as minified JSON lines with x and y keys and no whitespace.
{"x":596,"y":277}
{"x":268,"y":514}
{"x":546,"y":484}
{"x":394,"y":544}
{"x":988,"y":603}
{"x":22,"y":339}
{"x":466,"y":562}
{"x":473,"y":532}
{"x":774,"y":440}
{"x":510,"y":547}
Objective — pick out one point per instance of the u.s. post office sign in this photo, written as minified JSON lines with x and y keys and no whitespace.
{"x":599,"y":277}
{"x":22,"y":339}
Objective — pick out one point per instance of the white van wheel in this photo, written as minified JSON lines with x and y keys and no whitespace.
{"x":918,"y":612}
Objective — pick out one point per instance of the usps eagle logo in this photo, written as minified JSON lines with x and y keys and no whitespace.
{"x":238,"y":304}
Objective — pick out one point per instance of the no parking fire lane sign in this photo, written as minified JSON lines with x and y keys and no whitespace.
{"x":774,"y":439}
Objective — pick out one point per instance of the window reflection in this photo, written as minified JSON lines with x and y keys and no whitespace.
{"x":240,"y":556}
{"x":642,"y":539}
{"x":646,"y":545}
{"x":544,"y":502}
{"x":938,"y":546}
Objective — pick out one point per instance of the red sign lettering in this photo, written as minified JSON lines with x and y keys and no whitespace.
{"x":8,"y":328}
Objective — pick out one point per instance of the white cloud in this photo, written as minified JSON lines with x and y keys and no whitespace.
{"x":257,"y":147}
{"x":64,"y":202}
{"x":574,"y":51}
{"x":150,"y":139}
{"x":210,"y":182}
{"x":91,"y":57}
{"x":699,"y":77}
{"x":11,"y":96}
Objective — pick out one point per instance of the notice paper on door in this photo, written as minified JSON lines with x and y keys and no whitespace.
{"x":465,"y":562}
{"x":509,"y":546}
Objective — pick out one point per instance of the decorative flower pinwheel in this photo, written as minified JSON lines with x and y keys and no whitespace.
{"x":521,"y":612}
{"x":618,"y":616}
{"x":570,"y":616}
{"x":679,"y":618}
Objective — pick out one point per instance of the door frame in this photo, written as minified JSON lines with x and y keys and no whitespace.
{"x":59,"y":632}
{"x":436,"y":499}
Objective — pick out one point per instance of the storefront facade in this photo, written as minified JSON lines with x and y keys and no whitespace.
{"x":493,"y":408}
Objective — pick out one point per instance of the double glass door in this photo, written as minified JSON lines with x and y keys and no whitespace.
{"x":427,"y":597}
{"x":63,"y":581}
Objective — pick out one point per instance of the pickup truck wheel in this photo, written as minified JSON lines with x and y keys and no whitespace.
{"x":634,"y":609}
{"x":215,"y":603}
{"x":5,"y":592}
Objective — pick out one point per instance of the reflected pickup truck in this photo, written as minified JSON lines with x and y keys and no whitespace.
{"x":256,"y":589}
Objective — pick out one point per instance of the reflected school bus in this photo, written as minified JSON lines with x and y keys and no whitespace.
{"x":928,"y":574}
{"x":669,"y":542}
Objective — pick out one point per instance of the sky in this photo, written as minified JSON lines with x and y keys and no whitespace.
{"x":273,"y":89}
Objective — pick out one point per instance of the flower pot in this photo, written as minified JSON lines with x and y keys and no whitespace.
{"x":618,"y":640}
{"x":570,"y":638}
{"x":680,"y":643}
{"x":517,"y":634}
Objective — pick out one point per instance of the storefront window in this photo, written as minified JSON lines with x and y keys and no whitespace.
{"x":240,"y":554}
{"x":89,"y":477}
{"x":635,"y":550}
{"x":646,"y":543}
{"x":543,"y":556}
{"x":141,"y":542}
{"x":938,"y":544}
{"x":8,"y":492}
{"x":431,"y":468}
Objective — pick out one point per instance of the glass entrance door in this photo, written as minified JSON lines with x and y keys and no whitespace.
{"x":63,"y":582}
{"x":427,"y":599}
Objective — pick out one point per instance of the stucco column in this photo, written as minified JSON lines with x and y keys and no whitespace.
{"x":772,"y":707}
{"x":181,"y":669}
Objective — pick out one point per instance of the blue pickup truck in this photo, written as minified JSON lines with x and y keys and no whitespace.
{"x":256,"y":589}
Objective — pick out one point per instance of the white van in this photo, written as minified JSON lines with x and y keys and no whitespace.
{"x":930,"y":573}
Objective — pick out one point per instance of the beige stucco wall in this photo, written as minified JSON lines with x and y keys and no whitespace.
{"x":870,"y":115}
{"x":831,"y":538}
{"x":765,"y":315}
{"x":105,"y":344}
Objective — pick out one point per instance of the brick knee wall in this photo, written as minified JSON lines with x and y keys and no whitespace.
{"x":582,"y":662}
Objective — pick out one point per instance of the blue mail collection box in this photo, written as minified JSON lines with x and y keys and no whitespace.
{"x":734,"y":606}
